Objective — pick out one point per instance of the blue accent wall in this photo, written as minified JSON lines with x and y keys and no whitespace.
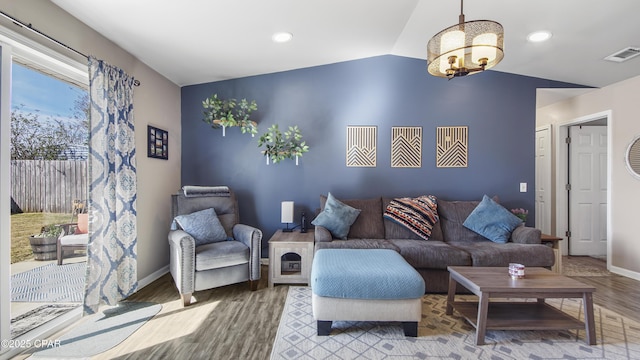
{"x":385,"y":91}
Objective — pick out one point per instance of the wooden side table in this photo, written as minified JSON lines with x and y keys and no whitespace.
{"x":295,"y":242}
{"x":557,"y":251}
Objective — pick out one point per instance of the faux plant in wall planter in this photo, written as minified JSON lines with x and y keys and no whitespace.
{"x":280,"y":146}
{"x":221,"y":113}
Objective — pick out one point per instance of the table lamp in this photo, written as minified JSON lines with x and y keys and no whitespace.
{"x":286,"y":215}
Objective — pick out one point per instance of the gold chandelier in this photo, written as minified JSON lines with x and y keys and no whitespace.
{"x":465,"y":48}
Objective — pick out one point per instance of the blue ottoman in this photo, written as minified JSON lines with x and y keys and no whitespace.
{"x":365,"y":285}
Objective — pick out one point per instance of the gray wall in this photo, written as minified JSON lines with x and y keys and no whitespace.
{"x":384,"y":91}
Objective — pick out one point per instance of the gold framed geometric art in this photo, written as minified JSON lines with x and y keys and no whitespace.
{"x":452,"y":145}
{"x":406,"y":146}
{"x":361,"y":146}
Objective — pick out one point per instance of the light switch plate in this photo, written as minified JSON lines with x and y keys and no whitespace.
{"x":523,"y":187}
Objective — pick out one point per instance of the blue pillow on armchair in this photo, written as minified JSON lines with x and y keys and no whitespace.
{"x":337,"y":217}
{"x":204,"y":226}
{"x":492,"y":221}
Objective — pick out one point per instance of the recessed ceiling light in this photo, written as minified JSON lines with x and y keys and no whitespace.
{"x":539,"y":36}
{"x":282,"y":37}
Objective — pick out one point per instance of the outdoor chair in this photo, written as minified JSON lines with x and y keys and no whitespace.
{"x":74,"y":236}
{"x":199,"y":260}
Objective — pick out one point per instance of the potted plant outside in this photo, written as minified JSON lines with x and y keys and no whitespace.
{"x":280,"y":146}
{"x":45,"y":244}
{"x":220,"y":113}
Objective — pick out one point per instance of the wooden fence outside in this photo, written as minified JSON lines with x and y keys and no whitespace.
{"x":48,"y":185}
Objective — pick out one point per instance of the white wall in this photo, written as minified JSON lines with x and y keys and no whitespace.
{"x":622,"y":99}
{"x":156,"y":102}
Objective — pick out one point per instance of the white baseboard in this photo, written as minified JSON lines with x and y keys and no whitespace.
{"x":264,"y":261}
{"x":153,"y":277}
{"x":624,"y":272}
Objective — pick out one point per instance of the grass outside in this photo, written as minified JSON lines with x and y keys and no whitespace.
{"x":27,"y":224}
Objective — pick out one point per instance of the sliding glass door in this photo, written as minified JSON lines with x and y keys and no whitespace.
{"x":16,"y":49}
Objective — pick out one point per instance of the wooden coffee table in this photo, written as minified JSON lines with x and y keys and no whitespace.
{"x":539,"y":283}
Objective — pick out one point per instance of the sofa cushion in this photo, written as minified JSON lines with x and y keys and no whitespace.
{"x":202,"y":225}
{"x":492,"y":221}
{"x":419,"y":214}
{"x":487,"y":253}
{"x":221,"y":254}
{"x":452,"y":216}
{"x":526,"y":235}
{"x":393,"y":230}
{"x":74,"y":239}
{"x":369,"y":224}
{"x":431,"y":254}
{"x":336,"y":217}
{"x":357,"y":244}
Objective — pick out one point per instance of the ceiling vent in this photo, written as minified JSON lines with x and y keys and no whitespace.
{"x":624,"y":54}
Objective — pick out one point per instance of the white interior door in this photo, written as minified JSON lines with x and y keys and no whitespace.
{"x":543,"y":179}
{"x":588,"y":193}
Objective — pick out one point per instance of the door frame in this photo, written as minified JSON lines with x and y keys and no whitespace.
{"x":5,"y":192}
{"x":548,"y":178}
{"x":562,"y":176}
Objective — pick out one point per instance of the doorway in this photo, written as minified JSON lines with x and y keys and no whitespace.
{"x":587,"y":189}
{"x":15,"y":47}
{"x":566,"y":226}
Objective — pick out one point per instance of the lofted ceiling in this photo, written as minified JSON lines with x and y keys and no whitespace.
{"x":199,"y":41}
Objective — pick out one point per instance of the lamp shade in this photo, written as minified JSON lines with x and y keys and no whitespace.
{"x":286,"y":212}
{"x":465,"y":48}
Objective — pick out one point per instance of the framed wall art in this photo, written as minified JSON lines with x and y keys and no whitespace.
{"x":406,"y":146}
{"x":452,"y":146}
{"x":361,"y":146}
{"x":158,"y":146}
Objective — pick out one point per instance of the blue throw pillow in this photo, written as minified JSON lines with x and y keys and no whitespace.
{"x":337,"y":217}
{"x":492,"y":221}
{"x":204,"y":226}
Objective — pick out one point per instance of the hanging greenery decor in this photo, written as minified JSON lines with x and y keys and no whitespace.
{"x":221,"y":113}
{"x":281,"y":146}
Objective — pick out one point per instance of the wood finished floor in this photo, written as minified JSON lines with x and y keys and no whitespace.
{"x":614,"y":292}
{"x":235,"y":323}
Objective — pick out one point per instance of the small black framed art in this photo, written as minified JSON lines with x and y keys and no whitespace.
{"x":158,"y":143}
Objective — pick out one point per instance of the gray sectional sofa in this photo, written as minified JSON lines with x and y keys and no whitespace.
{"x":450,"y":244}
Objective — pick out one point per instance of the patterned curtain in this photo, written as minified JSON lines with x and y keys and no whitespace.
{"x":111,"y":253}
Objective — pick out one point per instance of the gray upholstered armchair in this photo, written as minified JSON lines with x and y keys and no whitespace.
{"x":198,"y":267}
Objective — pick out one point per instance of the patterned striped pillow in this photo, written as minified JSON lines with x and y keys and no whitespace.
{"x":417,"y":214}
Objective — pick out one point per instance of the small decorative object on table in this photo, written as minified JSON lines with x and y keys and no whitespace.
{"x":303,"y":223}
{"x":516,"y":271}
{"x":521,"y":213}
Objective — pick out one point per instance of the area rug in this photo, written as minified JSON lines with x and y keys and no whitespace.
{"x":590,"y":267}
{"x":441,"y":336}
{"x":101,"y":331}
{"x":50,"y":284}
{"x":30,"y":320}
